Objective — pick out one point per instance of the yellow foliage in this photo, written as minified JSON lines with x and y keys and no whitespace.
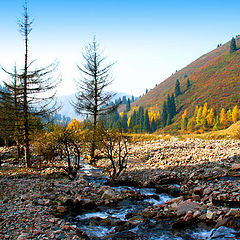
{"x":235,"y":114}
{"x":128,"y":121}
{"x":75,"y":125}
{"x":210,"y":117}
{"x":205,"y":110}
{"x":121,"y":114}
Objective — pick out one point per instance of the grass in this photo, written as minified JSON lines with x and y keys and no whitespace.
{"x":232,"y":132}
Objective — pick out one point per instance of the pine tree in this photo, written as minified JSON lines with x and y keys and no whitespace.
{"x":164,"y":114}
{"x":177,"y":88}
{"x":92,"y":97}
{"x":233,"y":46}
{"x":124,"y":120}
{"x":188,"y":84}
{"x":153,"y":126}
{"x":146,"y":122}
{"x":174,"y":111}
{"x":128,"y":106}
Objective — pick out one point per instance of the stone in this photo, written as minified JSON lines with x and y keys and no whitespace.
{"x":222,"y":233}
{"x":109,"y":194}
{"x":61,"y":209}
{"x":210,"y":215}
{"x":236,"y":166}
{"x":196,"y":214}
{"x":232,"y":212}
{"x":188,"y":217}
{"x":186,"y":206}
{"x":175,"y":200}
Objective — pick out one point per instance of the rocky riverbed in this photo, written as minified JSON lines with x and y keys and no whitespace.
{"x":203,"y":176}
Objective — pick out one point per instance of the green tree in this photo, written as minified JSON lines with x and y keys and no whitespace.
{"x":188,"y":84}
{"x":233,"y":46}
{"x":146,"y":122}
{"x":177,"y":88}
{"x":128,"y":105}
{"x":153,"y":126}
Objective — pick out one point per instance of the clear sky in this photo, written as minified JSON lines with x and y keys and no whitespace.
{"x":149,"y":39}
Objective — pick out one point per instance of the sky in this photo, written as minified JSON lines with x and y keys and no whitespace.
{"x":148,"y":40}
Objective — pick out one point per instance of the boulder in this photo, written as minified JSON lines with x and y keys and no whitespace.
{"x":236,"y":166}
{"x":223,"y":233}
{"x":186,"y":206}
{"x":109,"y":194}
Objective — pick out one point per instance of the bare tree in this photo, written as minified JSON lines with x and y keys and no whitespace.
{"x":92,"y":97}
{"x":116,"y":149}
{"x":36,"y":86}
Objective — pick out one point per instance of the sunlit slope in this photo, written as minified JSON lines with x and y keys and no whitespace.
{"x":214,"y":78}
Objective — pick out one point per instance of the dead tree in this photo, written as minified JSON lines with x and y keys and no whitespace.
{"x":36,"y":87}
{"x":92,"y":97}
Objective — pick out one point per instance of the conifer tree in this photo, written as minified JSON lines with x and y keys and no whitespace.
{"x":146,"y":122}
{"x":233,"y":46}
{"x":164,"y":114}
{"x":36,"y":87}
{"x":188,"y":84}
{"x":174,"y":111}
{"x":92,"y":97}
{"x":177,"y":88}
{"x":128,"y":105}
{"x":153,"y":126}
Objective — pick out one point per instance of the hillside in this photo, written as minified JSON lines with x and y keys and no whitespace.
{"x":214,"y":77}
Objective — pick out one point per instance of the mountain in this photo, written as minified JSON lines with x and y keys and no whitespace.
{"x":68,"y":110}
{"x":214,"y":78}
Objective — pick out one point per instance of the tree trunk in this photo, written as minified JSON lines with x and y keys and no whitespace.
{"x":25,"y":100}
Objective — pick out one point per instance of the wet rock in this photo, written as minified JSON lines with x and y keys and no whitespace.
{"x":233,"y":212}
{"x":109,"y":194}
{"x":61,"y":209}
{"x":236,"y":166}
{"x":186,"y":206}
{"x":175,"y":200}
{"x":223,"y":233}
{"x":210,"y":215}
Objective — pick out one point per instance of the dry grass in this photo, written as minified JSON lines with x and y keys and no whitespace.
{"x":233,"y":132}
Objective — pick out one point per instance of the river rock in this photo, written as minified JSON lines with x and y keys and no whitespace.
{"x":223,"y":233}
{"x":210,"y":215}
{"x":109,"y":194}
{"x":232,"y":212}
{"x":186,"y":206}
{"x":236,"y":166}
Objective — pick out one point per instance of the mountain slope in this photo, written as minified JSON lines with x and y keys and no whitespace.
{"x":214,"y":77}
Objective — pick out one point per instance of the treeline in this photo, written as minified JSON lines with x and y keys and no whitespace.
{"x":140,"y":120}
{"x":207,"y":118}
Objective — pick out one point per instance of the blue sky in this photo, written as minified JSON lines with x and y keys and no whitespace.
{"x":150,"y":40}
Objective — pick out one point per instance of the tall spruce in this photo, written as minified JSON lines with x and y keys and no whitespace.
{"x":92,"y":97}
{"x":177,"y":88}
{"x":188,"y":84}
{"x":233,"y":46}
{"x":147,"y":127}
{"x":128,"y":105}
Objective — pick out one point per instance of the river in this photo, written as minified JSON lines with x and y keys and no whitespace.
{"x":122,"y":221}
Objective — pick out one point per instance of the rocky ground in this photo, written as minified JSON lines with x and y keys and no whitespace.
{"x":203,"y":175}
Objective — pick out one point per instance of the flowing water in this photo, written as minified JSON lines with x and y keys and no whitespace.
{"x":121,"y":220}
